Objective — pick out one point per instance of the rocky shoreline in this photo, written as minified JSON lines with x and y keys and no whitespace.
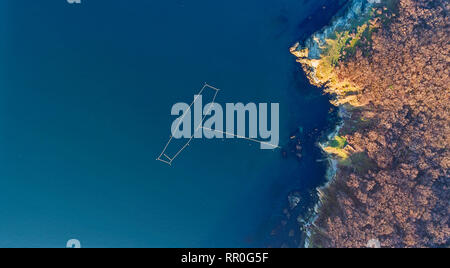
{"x":355,"y":207}
{"x":309,"y":55}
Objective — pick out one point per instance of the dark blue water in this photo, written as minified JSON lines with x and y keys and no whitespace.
{"x":85,"y":98}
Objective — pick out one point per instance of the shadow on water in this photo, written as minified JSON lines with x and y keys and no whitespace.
{"x":287,"y":223}
{"x":87,"y":109}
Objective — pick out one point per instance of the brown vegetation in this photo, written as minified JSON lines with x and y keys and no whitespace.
{"x":395,"y":185}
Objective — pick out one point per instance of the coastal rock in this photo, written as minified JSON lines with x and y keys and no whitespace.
{"x":321,"y":52}
{"x":299,"y":53}
{"x":294,"y":199}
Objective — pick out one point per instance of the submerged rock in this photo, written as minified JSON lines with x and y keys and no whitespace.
{"x":294,"y":199}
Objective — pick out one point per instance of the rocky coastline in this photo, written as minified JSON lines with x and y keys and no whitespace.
{"x":387,"y":186}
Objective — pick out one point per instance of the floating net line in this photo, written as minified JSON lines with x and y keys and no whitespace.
{"x":163,"y":157}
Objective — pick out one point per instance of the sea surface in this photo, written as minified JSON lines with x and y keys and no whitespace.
{"x":85,"y":97}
